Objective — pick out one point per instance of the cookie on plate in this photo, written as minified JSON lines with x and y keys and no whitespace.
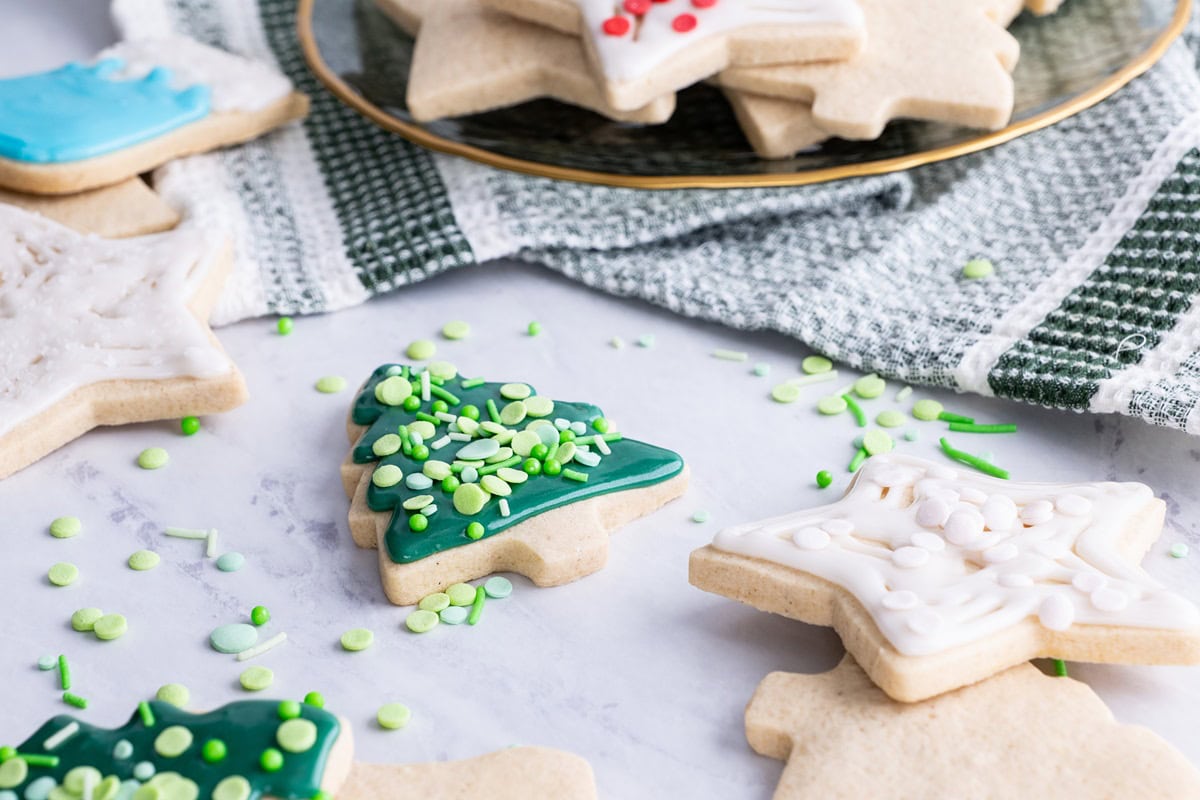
{"x":453,"y":479}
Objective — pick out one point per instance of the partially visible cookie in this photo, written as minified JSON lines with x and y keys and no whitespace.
{"x":1020,"y":734}
{"x":142,"y":103}
{"x":128,"y":208}
{"x":774,"y":126}
{"x":517,"y":773}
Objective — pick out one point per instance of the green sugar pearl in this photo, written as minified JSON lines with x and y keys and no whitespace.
{"x":288,"y":709}
{"x":330,"y":384}
{"x":284,"y":325}
{"x":153,"y":458}
{"x":314,"y":699}
{"x":816,"y":365}
{"x":143,"y":560}
{"x":927,"y":410}
{"x":475,"y":530}
{"x":978,"y":268}
{"x":831,"y":405}
{"x":189,"y":426}
{"x":65,"y":527}
{"x":418,"y":523}
{"x":271,"y":760}
{"x":357,"y":639}
{"x":259,"y":615}
{"x":421,"y":350}
{"x":63,"y":574}
{"x":824,"y":479}
{"x":455,"y":330}
{"x":393,"y":716}
{"x":534,"y":328}
{"x":214,"y":751}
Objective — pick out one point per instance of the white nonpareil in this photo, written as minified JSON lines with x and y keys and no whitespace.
{"x":941,"y":557}
{"x":652,"y":39}
{"x":235,"y":83}
{"x":76,"y":310}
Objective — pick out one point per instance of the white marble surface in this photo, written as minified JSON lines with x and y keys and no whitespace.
{"x":631,"y":667}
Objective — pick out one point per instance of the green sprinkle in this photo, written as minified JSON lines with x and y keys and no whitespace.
{"x":461,"y":594}
{"x":534,"y":328}
{"x":296,"y":735}
{"x":700,"y":516}
{"x":146,"y":713}
{"x":189,"y":426}
{"x":421,"y":350}
{"x":84,"y":619}
{"x":174,"y":693}
{"x":284,"y":325}
{"x":214,"y":751}
{"x":761,"y":369}
{"x":387,"y":475}
{"x":64,"y":673}
{"x":65,"y":527}
{"x":442,"y":394}
{"x":330,"y":384}
{"x":233,"y":787}
{"x":456,"y":330}
{"x":973,"y":461}
{"x":255,"y":679}
{"x":831,"y":405}
{"x":869,"y":387}
{"x":314,"y":699}
{"x":730,"y":355}
{"x":539,"y":406}
{"x":1060,"y":668}
{"x":74,"y":700}
{"x":471,"y":383}
{"x":393,"y":391}
{"x":646,"y":340}
{"x":858,"y":459}
{"x":271,"y":760}
{"x":978,"y":268}
{"x":13,"y":773}
{"x":418,"y":523}
{"x":288,"y":709}
{"x":970,"y":427}
{"x":927,"y":410}
{"x":824,"y":479}
{"x":911,"y":436}
{"x":469,"y":499}
{"x":876,"y":442}
{"x":515,"y":391}
{"x":815,"y":365}
{"x":393,"y":716}
{"x":39,"y":760}
{"x":1179,"y":550}
{"x":477,"y":606}
{"x":434,"y":602}
{"x":860,"y":418}
{"x":512,"y":414}
{"x":947,"y":416}
{"x":231,"y":561}
{"x":575,"y":475}
{"x":63,"y":574}
{"x":785,"y":393}
{"x":498,"y":587}
{"x":142,"y":560}
{"x":889,"y":419}
{"x":421,"y":621}
{"x":259,"y":615}
{"x":454,"y":615}
{"x":493,"y":412}
{"x":551,"y":466}
{"x":110,"y":626}
{"x":153,"y":458}
{"x":357,"y":639}
{"x":475,"y":531}
{"x":45,"y":664}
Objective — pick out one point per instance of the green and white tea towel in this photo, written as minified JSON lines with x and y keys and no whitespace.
{"x":1094,"y":225}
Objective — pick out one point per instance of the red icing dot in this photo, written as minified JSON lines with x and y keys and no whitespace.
{"x":704,"y":3}
{"x":662,"y":1}
{"x":636,"y":7}
{"x":684,"y":23}
{"x":616,"y":26}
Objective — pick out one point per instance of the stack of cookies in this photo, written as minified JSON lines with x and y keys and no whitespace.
{"x":796,"y":72}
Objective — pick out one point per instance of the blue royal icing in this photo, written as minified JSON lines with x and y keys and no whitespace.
{"x":77,"y":112}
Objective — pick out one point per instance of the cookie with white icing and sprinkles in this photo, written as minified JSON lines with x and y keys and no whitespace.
{"x":454,"y":479}
{"x":134,"y":107}
{"x":937,"y":578}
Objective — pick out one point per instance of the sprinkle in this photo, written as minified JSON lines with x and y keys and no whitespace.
{"x":820,"y":377}
{"x":47,"y":663}
{"x":455,"y":330}
{"x":493,"y":412}
{"x":63,"y":733}
{"x":110,"y":626}
{"x":785,"y":393}
{"x":84,"y":620}
{"x":970,"y":427}
{"x":730,"y":355}
{"x":588,"y":459}
{"x":860,"y":418}
{"x":415,"y":438}
{"x":284,"y":325}
{"x":831,"y":405}
{"x":947,"y":416}
{"x":421,"y":350}
{"x":1060,"y":668}
{"x":477,"y":606}
{"x":442,"y":394}
{"x":39,"y":760}
{"x":153,"y":458}
{"x":174,"y":693}
{"x":700,"y":516}
{"x":645,"y":340}
{"x":330,"y":384}
{"x":74,"y":700}
{"x":889,"y":419}
{"x":146,"y":713}
{"x":904,"y":394}
{"x":357,"y":639}
{"x":498,"y":587}
{"x":459,"y":437}
{"x":616,"y":343}
{"x":263,"y":647}
{"x":973,"y":461}
{"x":911,"y":435}
{"x":255,"y":679}
{"x":601,"y":445}
{"x":63,"y":574}
{"x":231,"y":561}
{"x":454,"y":615}
{"x":876,"y":442}
{"x":64,"y":673}
{"x":393,"y":715}
{"x":927,"y":410}
{"x":824,"y":479}
{"x":426,"y":386}
{"x":421,"y":621}
{"x":978,"y":268}
{"x":870,"y":386}
{"x":65,"y":527}
{"x":440,"y":443}
{"x":471,"y":383}
{"x":210,"y":543}
{"x":816,"y":365}
{"x":186,"y":533}
{"x":503,"y":504}
{"x":233,"y":638}
{"x":761,"y":369}
{"x":142,"y":560}
{"x":858,"y":459}
{"x":1179,"y":550}
{"x":575,"y":475}
{"x":445,"y":416}
{"x":533,"y":328}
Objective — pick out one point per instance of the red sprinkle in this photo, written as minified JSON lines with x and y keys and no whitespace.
{"x":616,"y":26}
{"x":636,"y":7}
{"x":684,"y":23}
{"x":704,"y":3}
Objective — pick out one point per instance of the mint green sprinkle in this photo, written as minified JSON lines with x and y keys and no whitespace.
{"x":761,"y":369}
{"x":1179,"y":550}
{"x":646,"y":340}
{"x":700,"y":516}
{"x":911,"y":435}
{"x":815,"y":365}
{"x":330,"y":384}
{"x":498,"y":587}
{"x":978,"y":268}
{"x":421,"y":349}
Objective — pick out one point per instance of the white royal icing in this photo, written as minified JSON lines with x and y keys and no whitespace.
{"x":652,"y":40}
{"x":942,"y":557}
{"x":235,"y":83}
{"x":76,"y":310}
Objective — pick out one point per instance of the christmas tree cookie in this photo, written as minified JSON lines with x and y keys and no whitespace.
{"x":936,"y":578}
{"x":256,"y":749}
{"x":454,"y":478}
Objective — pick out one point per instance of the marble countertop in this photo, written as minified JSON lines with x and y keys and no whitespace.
{"x":631,"y":667}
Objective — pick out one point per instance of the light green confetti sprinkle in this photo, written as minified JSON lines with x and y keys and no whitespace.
{"x":231,"y":561}
{"x":421,"y":349}
{"x":1179,"y":550}
{"x":386,"y":445}
{"x":831,"y":405}
{"x":510,"y":475}
{"x":869,"y":387}
{"x":455,"y":330}
{"x":761,"y":369}
{"x":393,"y":391}
{"x":513,"y":413}
{"x":330,"y":384}
{"x":78,"y":778}
{"x":13,"y":773}
{"x":461,"y":594}
{"x":84,"y":619}
{"x":173,"y":741}
{"x":417,"y":502}
{"x":233,"y":638}
{"x":454,"y":615}
{"x":700,"y":516}
{"x":255,"y":679}
{"x":876,"y":442}
{"x":815,"y":365}
{"x":174,"y":693}
{"x":646,"y":340}
{"x":616,"y":343}
{"x":730,"y":355}
{"x":927,"y":410}
{"x":393,"y":716}
{"x":911,"y":435}
{"x":436,"y":470}
{"x":978,"y":268}
{"x":47,"y":663}
{"x":785,"y":393}
{"x":890,"y":419}
{"x":65,"y":527}
{"x":495,"y":486}
{"x":110,"y":626}
{"x":153,"y":458}
{"x":435,"y":602}
{"x":357,"y":639}
{"x":234,"y":787}
{"x":142,"y":560}
{"x":387,"y":475}
{"x":515,"y":391}
{"x":539,"y":406}
{"x":63,"y":573}
{"x":422,"y":427}
{"x":469,"y":499}
{"x":421,"y":621}
{"x":296,"y":735}
{"x":443,"y":369}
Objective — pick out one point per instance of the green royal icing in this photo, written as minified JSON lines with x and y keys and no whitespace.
{"x":246,"y":728}
{"x":632,"y":465}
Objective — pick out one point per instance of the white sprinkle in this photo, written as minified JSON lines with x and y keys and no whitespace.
{"x":910,"y":557}
{"x":1073,"y":504}
{"x":1005,"y":551}
{"x":730,"y":355}
{"x":429,"y":510}
{"x":964,"y":526}
{"x":1107,"y":599}
{"x":504,"y":512}
{"x":259,"y":649}
{"x":929,"y":541}
{"x":1087,"y":582}
{"x":562,"y":423}
{"x":446,"y":416}
{"x":89,"y":784}
{"x":903,"y":394}
{"x":646,"y":340}
{"x":1057,"y":612}
{"x":616,"y":342}
{"x":63,"y":733}
{"x":1179,"y":550}
{"x":210,"y":543}
{"x":602,"y":445}
{"x":932,"y":513}
{"x":900,"y":600}
{"x":186,"y":533}
{"x":811,"y":539}
{"x":459,"y":437}
{"x":820,"y":377}
{"x":440,"y":443}
{"x":425,"y":386}
{"x":586,"y":458}
{"x":416,"y":439}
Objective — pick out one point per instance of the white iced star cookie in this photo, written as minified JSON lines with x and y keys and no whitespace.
{"x":104,"y":332}
{"x":937,"y":577}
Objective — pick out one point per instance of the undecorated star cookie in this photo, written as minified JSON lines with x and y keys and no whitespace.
{"x":453,"y":479}
{"x":258,"y":749}
{"x":641,"y":49}
{"x":936,"y":577}
{"x":140,"y":104}
{"x":1018,"y":735}
{"x":104,"y":332}
{"x":128,"y":208}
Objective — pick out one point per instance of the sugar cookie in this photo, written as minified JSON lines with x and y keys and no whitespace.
{"x":937,"y":577}
{"x":140,"y":104}
{"x":128,"y":208}
{"x":1018,"y":734}
{"x":104,"y":332}
{"x":454,"y":479}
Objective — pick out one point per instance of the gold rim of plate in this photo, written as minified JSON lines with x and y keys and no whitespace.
{"x":421,"y":136}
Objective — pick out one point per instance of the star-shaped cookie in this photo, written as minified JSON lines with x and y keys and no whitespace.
{"x":937,"y":577}
{"x":104,"y":332}
{"x":1020,"y":734}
